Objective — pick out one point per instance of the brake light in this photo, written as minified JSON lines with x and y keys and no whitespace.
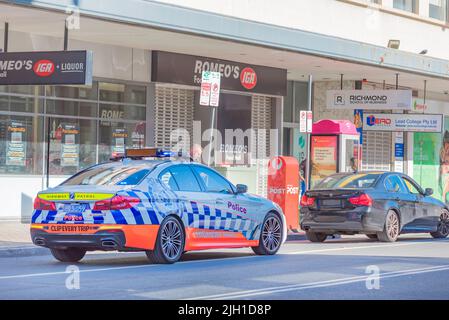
{"x":116,"y":203}
{"x":307,"y":201}
{"x":41,"y":204}
{"x":362,"y":200}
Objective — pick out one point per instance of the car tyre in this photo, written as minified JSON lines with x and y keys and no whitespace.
{"x":316,"y":236}
{"x":170,"y":242}
{"x":392,"y":228}
{"x":372,"y":236}
{"x":271,"y":235}
{"x":69,"y":254}
{"x":443,"y":226}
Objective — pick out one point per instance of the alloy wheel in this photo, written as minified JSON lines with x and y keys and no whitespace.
{"x":271,"y":234}
{"x":393,"y":226}
{"x":443,"y":226}
{"x":171,"y":240}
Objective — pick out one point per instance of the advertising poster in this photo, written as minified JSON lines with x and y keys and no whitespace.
{"x":443,"y":172}
{"x":426,"y":149}
{"x":358,"y":122}
{"x":70,"y":145}
{"x":16,"y":144}
{"x":323,"y":158}
{"x":119,"y":136}
{"x":300,"y":153}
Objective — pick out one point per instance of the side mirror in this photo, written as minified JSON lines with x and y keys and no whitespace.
{"x":428,"y":192}
{"x":242,"y":188}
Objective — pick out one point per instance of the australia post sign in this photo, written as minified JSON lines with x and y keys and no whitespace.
{"x":184,"y":69}
{"x":47,"y":68}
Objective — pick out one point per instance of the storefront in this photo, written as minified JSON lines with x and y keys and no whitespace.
{"x":250,"y":99}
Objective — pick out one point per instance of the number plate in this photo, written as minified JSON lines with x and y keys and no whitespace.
{"x":331,"y":203}
{"x":75,"y":207}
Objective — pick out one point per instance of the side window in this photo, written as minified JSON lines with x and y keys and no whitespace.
{"x":412,"y":188}
{"x":394,"y":184}
{"x":167,"y":179}
{"x":213,"y":181}
{"x":185,"y":179}
{"x":134,"y":179}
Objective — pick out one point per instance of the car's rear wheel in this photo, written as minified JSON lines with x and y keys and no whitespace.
{"x":316,"y":236}
{"x":271,"y":235}
{"x":443,"y":226}
{"x":372,"y":236}
{"x":391,"y":228}
{"x":170,"y":242}
{"x":69,"y":254}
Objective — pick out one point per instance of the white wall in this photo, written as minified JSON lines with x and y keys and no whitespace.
{"x":336,"y":18}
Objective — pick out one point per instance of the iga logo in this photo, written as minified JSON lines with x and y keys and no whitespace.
{"x":248,"y":78}
{"x":44,"y":68}
{"x":372,"y":120}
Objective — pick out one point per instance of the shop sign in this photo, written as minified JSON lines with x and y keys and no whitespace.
{"x":46,"y":68}
{"x":70,"y":145}
{"x":16,"y":145}
{"x":369,"y":99}
{"x":184,"y":69}
{"x":403,"y":122}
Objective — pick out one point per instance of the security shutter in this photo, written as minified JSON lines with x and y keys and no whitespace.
{"x":376,"y":150}
{"x":173,"y":110}
{"x":261,"y":119}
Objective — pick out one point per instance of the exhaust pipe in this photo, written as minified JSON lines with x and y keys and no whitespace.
{"x":39,"y":241}
{"x":109,"y":244}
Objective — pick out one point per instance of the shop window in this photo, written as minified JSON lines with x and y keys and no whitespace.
{"x":288,"y":103}
{"x":71,"y":108}
{"x":295,"y":101}
{"x":406,"y":5}
{"x":115,"y":92}
{"x":73,"y":92}
{"x":21,"y":144}
{"x":14,"y":103}
{"x":72,"y":145}
{"x":438,"y":9}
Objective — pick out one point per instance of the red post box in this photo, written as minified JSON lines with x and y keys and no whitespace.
{"x":283,"y":187}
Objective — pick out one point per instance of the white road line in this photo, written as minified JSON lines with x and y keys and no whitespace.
{"x":318,"y":284}
{"x":219,"y":259}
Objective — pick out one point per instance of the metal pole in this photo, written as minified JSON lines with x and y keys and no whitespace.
{"x":309,"y":108}
{"x":212,"y":126}
{"x":397,"y":81}
{"x":47,"y":160}
{"x":341,"y":82}
{"x":5,"y":38}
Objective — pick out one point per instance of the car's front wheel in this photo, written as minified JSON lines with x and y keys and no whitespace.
{"x":271,"y":236}
{"x":170,"y":242}
{"x":443,"y":226}
{"x":392,"y":228}
{"x":69,"y":254}
{"x":316,"y":236}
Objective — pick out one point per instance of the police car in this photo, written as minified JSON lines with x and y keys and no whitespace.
{"x":148,"y":201}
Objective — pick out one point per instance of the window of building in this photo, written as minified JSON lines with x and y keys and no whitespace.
{"x":438,"y":9}
{"x":295,"y":101}
{"x":406,"y":5}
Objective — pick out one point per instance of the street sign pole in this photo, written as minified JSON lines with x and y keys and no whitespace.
{"x":212,"y":126}
{"x":309,"y":108}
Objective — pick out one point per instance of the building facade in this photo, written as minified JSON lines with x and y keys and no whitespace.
{"x":147,"y":62}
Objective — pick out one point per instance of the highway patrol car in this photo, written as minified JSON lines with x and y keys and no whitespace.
{"x":150,"y":202}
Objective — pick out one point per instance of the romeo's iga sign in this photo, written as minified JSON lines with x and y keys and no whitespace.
{"x":52,"y":68}
{"x":369,"y":99}
{"x":184,"y":69}
{"x":403,"y":122}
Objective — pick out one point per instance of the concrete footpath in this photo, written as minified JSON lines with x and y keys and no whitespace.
{"x":15,"y":240}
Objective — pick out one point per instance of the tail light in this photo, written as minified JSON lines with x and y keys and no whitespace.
{"x":362,"y":200}
{"x":116,"y":203}
{"x":41,"y":204}
{"x":307,"y":201}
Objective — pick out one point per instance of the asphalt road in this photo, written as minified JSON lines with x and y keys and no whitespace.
{"x":415,"y":267}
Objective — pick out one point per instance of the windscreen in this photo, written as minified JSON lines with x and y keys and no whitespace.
{"x":108,"y":175}
{"x":353,"y":181}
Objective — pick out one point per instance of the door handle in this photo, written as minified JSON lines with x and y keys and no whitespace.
{"x":219,"y":201}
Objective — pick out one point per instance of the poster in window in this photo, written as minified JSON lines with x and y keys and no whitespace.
{"x":16,"y":144}
{"x":119,"y":136}
{"x":323,"y":157}
{"x":70,"y":149}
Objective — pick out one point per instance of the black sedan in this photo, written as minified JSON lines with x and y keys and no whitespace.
{"x":381,"y":205}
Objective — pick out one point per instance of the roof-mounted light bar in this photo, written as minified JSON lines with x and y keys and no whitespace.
{"x":137,"y":154}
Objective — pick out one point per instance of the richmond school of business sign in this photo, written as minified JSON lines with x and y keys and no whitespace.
{"x":184,"y":69}
{"x":46,"y":68}
{"x":369,"y":99}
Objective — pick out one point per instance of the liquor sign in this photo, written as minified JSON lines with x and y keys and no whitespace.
{"x":187,"y":70}
{"x":403,"y":122}
{"x":369,"y":99}
{"x":70,"y":145}
{"x":16,"y":145}
{"x":46,"y":68}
